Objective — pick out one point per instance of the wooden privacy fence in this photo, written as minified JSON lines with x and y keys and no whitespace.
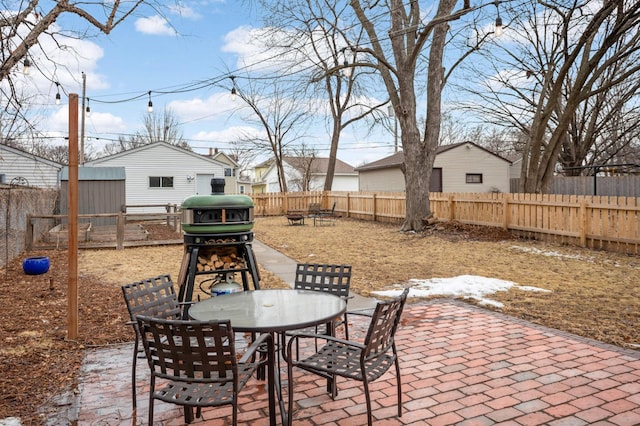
{"x":598,"y":222}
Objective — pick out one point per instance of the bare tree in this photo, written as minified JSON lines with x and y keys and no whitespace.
{"x":305,"y":164}
{"x":397,"y":64}
{"x":315,"y":32}
{"x":23,"y":23}
{"x":162,"y":127}
{"x":158,"y":127}
{"x":283,"y":119}
{"x":570,"y":74}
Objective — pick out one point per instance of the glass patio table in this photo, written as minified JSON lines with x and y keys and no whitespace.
{"x":271,"y":311}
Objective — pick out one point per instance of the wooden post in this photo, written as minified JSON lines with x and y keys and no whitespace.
{"x":72,"y":198}
{"x":583,"y":222}
{"x":120,"y":226}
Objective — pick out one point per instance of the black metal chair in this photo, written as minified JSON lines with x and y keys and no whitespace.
{"x":365,"y":362}
{"x":152,"y":297}
{"x":197,"y":363}
{"x":334,"y":279}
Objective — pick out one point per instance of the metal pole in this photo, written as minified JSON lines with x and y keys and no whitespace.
{"x":84,"y":91}
{"x":395,"y":133}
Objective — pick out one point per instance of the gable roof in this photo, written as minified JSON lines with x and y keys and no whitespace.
{"x":397,"y":159}
{"x":23,"y":153}
{"x":153,"y":145}
{"x":319,"y":165}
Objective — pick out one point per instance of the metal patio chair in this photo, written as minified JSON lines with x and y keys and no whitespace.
{"x":365,"y":362}
{"x":152,"y":297}
{"x":196,"y":362}
{"x":327,"y":278}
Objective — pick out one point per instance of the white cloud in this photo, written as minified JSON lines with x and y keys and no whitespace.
{"x":155,"y":25}
{"x":97,"y":122}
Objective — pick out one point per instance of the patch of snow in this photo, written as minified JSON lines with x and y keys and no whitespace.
{"x":547,"y":253}
{"x":10,"y":421}
{"x":466,"y":286}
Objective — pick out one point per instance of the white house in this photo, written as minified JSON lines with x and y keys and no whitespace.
{"x":161,"y":173}
{"x":461,"y":167}
{"x":345,"y":177}
{"x":21,"y":167}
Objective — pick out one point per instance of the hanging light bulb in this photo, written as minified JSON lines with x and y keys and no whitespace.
{"x":88,"y":110}
{"x":498,"y":28}
{"x":150,"y":104}
{"x":26,"y":66}
{"x":234,"y":93}
{"x":58,"y":94}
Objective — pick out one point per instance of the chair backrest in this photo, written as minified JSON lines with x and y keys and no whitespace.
{"x":334,"y":279}
{"x":314,"y":208}
{"x":193,"y":351}
{"x":383,"y":326}
{"x":152,"y":297}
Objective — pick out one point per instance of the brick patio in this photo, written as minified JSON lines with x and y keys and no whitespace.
{"x":461,"y":365}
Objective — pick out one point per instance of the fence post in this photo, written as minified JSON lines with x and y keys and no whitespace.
{"x":505,"y":212}
{"x":120,"y":231}
{"x":452,"y":205}
{"x":28,"y":235}
{"x":375,"y":199}
{"x":583,"y":222}
{"x":348,"y":204}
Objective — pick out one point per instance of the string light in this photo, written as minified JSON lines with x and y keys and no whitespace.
{"x":498,"y":30}
{"x":234,"y":93}
{"x":27,"y":65}
{"x":150,"y":104}
{"x":58,"y":94}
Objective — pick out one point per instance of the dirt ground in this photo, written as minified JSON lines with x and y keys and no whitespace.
{"x":592,"y":294}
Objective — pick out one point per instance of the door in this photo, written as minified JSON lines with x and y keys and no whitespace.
{"x":203,"y":184}
{"x":435,"y":185}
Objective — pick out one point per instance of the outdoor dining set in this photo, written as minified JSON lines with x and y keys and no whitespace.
{"x":195,"y":361}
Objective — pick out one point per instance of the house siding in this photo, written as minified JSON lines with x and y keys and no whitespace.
{"x":161,"y":159}
{"x":468,"y":158}
{"x":38,"y":172}
{"x":389,"y":179}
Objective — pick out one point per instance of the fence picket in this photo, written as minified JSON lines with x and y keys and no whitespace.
{"x":599,"y":222}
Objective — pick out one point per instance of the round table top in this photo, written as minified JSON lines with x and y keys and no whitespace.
{"x":270,"y":310}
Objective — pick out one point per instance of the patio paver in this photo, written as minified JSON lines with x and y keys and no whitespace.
{"x":460,"y":365}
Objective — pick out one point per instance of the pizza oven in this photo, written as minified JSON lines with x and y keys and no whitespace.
{"x":217,"y":213}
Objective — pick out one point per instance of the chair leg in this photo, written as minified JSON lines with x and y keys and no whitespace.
{"x":368,"y":399}
{"x":152,"y":389}
{"x":346,"y":327}
{"x":133,"y":376}
{"x":399,"y":384}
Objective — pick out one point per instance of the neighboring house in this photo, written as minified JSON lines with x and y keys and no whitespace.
{"x":21,"y":167}
{"x":161,"y":173}
{"x":345,"y":177}
{"x":260,"y":171}
{"x":231,"y":178}
{"x":461,"y":167}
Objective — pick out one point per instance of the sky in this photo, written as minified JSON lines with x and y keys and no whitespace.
{"x":205,"y":41}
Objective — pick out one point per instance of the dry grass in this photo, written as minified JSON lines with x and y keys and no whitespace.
{"x":593,"y":293}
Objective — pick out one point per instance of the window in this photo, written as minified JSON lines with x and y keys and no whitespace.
{"x":160,"y":181}
{"x":229,"y":172}
{"x":474,"y":178}
{"x":242,"y":189}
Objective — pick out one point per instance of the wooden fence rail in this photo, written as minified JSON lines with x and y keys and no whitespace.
{"x":598,"y":222}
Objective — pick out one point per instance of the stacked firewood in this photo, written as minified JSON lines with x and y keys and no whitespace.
{"x":220,"y":258}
